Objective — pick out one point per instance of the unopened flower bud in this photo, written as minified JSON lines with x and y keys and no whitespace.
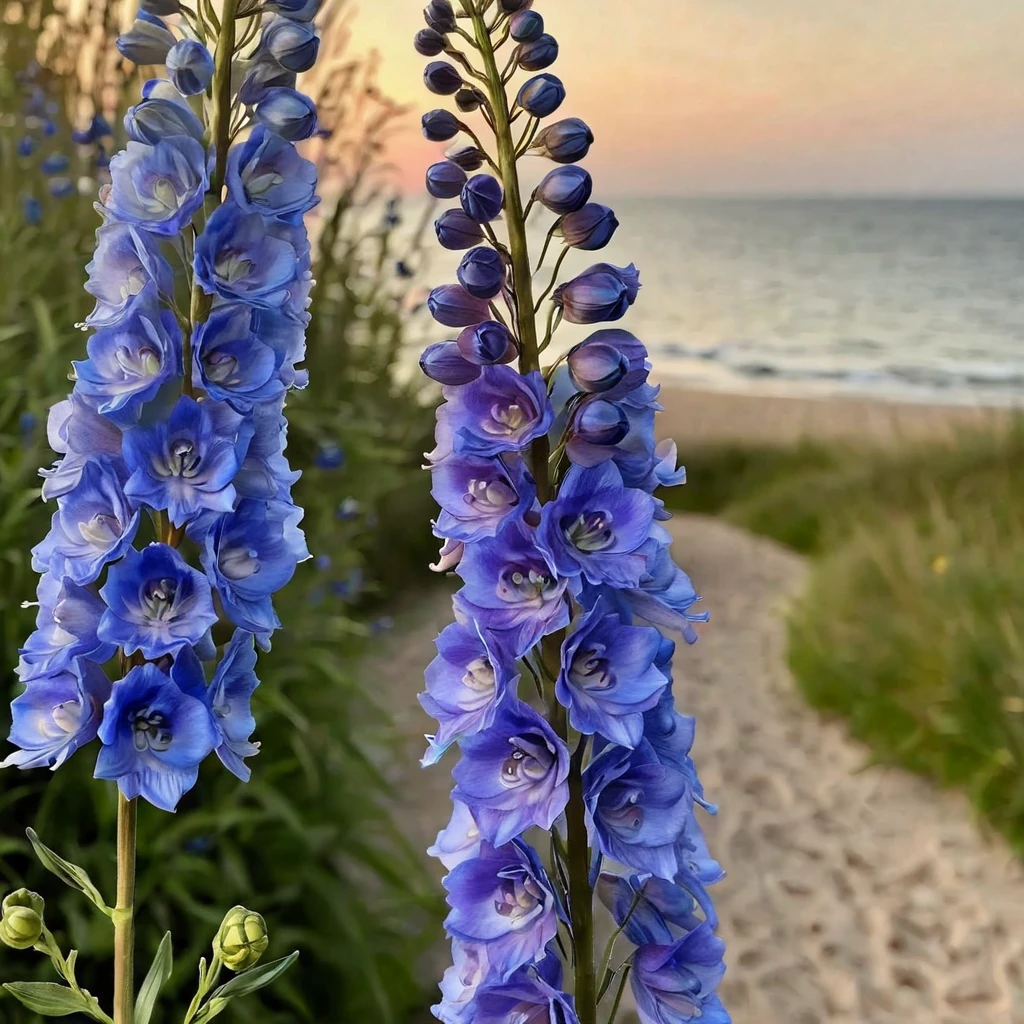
{"x":444,"y":363}
{"x":445,"y":180}
{"x":526,"y":26}
{"x":453,"y":306}
{"x":262,"y":75}
{"x":600,"y":293}
{"x":297,"y":10}
{"x":482,"y":198}
{"x":147,"y":42}
{"x":565,"y":141}
{"x":539,"y":54}
{"x":440,"y":15}
{"x":241,"y":940}
{"x":440,"y":125}
{"x":609,"y":359}
{"x":457,"y":231}
{"x":482,"y":272}
{"x":469,"y":158}
{"x":488,"y":344}
{"x":293,"y":44}
{"x":565,"y":189}
{"x":600,"y":422}
{"x":190,"y":67}
{"x":287,"y":113}
{"x":22,"y":923}
{"x":542,"y":95}
{"x":442,"y":78}
{"x":429,"y":42}
{"x":589,"y":228}
{"x":469,"y":99}
{"x":156,"y":119}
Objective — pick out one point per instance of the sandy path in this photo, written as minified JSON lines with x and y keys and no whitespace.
{"x":853,"y":896}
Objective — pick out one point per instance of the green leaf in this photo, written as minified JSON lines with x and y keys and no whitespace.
{"x":49,"y":998}
{"x":257,"y":978}
{"x":70,"y":874}
{"x":159,"y":972}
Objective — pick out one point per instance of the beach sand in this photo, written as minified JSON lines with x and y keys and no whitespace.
{"x":696,"y":418}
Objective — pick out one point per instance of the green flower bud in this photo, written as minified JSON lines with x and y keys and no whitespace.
{"x":21,"y":925}
{"x":242,"y":939}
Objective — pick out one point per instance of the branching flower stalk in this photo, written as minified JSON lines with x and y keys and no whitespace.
{"x":175,"y":523}
{"x":545,"y":475}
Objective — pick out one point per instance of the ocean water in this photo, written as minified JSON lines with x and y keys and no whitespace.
{"x":914,"y":300}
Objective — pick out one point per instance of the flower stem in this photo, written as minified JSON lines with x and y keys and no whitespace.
{"x":581,"y":897}
{"x":220,"y":122}
{"x":124,"y":913}
{"x":516,"y":225}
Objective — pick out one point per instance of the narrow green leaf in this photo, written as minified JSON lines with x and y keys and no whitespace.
{"x":156,"y":978}
{"x":70,"y":874}
{"x":48,"y":998}
{"x":257,"y":978}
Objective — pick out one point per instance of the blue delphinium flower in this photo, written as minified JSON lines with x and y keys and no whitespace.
{"x":195,"y":450}
{"x":251,"y":553}
{"x":251,"y":258}
{"x":156,"y":602}
{"x":154,"y":736}
{"x":466,"y":683}
{"x":130,"y":362}
{"x":503,"y":900}
{"x":609,"y":676}
{"x":546,"y":477}
{"x":125,"y":262}
{"x":512,"y":775}
{"x":158,"y":187}
{"x":94,"y":524}
{"x":267,"y":175}
{"x":186,"y":463}
{"x":56,"y":714}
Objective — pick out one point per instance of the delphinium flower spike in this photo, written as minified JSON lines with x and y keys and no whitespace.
{"x":553,"y":687}
{"x":174,"y":521}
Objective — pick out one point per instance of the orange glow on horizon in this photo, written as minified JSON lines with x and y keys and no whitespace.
{"x":766,"y":95}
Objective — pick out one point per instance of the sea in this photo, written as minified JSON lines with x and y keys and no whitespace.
{"x":919,"y":300}
{"x":906,"y":300}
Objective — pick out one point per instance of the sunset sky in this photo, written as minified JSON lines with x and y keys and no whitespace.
{"x":768,"y":96}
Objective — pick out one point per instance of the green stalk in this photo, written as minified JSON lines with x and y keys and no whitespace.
{"x":516,"y":224}
{"x":581,"y":898}
{"x":124,"y":913}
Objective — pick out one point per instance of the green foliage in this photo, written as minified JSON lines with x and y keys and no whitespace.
{"x":310,"y":843}
{"x":913,"y":623}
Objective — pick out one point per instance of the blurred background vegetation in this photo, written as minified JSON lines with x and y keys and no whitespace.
{"x":912,"y":626}
{"x":310,"y":842}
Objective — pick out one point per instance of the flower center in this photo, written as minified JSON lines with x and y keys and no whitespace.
{"x":590,"y":671}
{"x":183,"y":458}
{"x":158,"y":598}
{"x":258,"y":184}
{"x":133,"y":284}
{"x":163,"y":197}
{"x":101,"y":531}
{"x":627,"y":815}
{"x":519,"y":898}
{"x":507,"y":420}
{"x":525,"y":585}
{"x":145,"y":362}
{"x":233,"y":266}
{"x":589,"y":531}
{"x":496,"y":494}
{"x":221,"y":367}
{"x":239,"y":563}
{"x":151,"y":730}
{"x":480,"y":676}
{"x":530,"y":761}
{"x":68,"y":716}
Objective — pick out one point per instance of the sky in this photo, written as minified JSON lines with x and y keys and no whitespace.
{"x":792,"y":97}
